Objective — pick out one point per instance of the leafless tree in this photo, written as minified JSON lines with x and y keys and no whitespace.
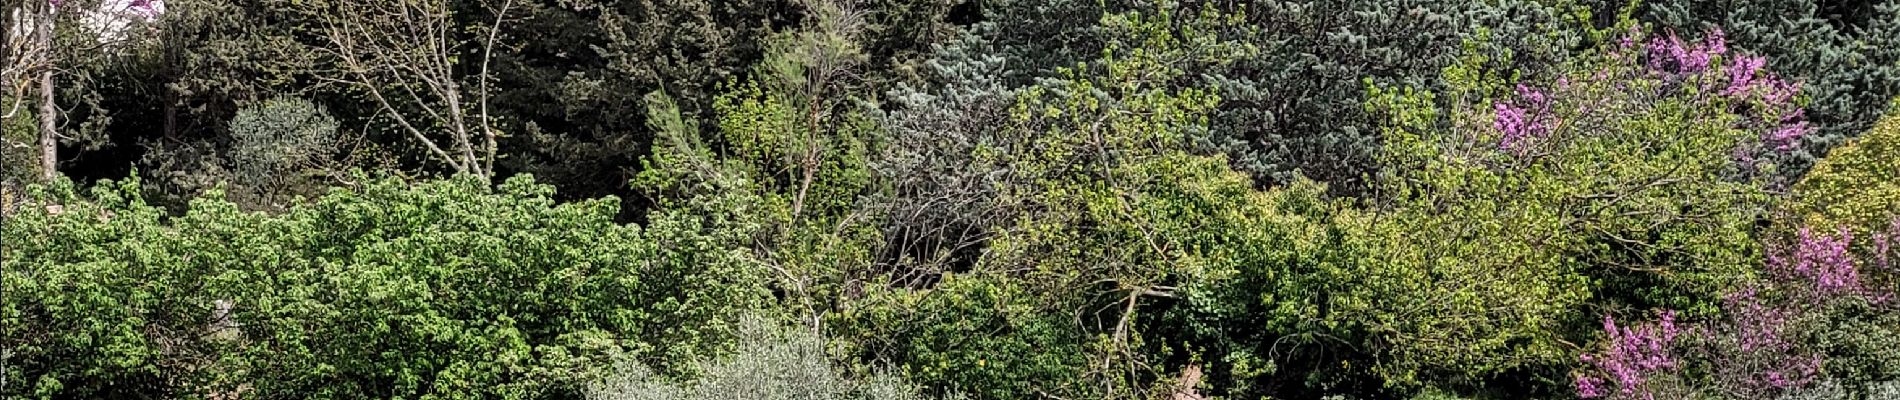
{"x":49,"y":112}
{"x":405,"y":55}
{"x":28,"y":66}
{"x":18,"y":56}
{"x":29,"y":59}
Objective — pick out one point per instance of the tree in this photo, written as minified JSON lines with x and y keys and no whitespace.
{"x":30,"y":59}
{"x":1085,"y":194}
{"x":58,"y":41}
{"x":1295,"y":106}
{"x":1642,"y":168}
{"x":169,"y":94}
{"x":1037,"y":38}
{"x":574,"y":81}
{"x":573,"y":85}
{"x":277,"y":150}
{"x":1631,"y":176}
{"x":19,"y":59}
{"x":1846,"y":59}
{"x":209,"y":58}
{"x":945,"y":200}
{"x":1813,"y":312}
{"x":48,"y":115}
{"x":281,"y":148}
{"x":406,"y":56}
{"x":792,"y":160}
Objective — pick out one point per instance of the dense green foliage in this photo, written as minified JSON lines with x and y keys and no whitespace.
{"x":444,"y":290}
{"x":909,"y":199}
{"x":1858,"y":185}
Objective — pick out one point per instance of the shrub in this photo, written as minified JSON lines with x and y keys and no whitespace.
{"x":278,"y":149}
{"x":104,"y":300}
{"x":1631,"y":176}
{"x":769,"y":363}
{"x":1295,"y":106}
{"x":1778,"y":336}
{"x":276,"y":143}
{"x":1858,"y":185}
{"x":444,"y":289}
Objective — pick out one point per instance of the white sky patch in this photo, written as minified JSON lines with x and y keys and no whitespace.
{"x":110,"y":21}
{"x":113,"y":18}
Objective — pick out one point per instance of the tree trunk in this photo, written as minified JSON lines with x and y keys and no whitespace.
{"x":171,"y":115}
{"x":7,"y":62}
{"x":49,"y":113}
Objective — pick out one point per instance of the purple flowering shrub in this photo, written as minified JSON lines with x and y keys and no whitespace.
{"x":1760,"y":348}
{"x":1639,"y":362}
{"x":1632,"y":176}
{"x":1641,"y":74}
{"x":1625,"y":178}
{"x":1663,"y":147}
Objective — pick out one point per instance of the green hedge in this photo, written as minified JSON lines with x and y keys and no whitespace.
{"x":444,"y":289}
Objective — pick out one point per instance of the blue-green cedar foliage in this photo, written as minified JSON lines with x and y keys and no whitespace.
{"x":1293,"y":106}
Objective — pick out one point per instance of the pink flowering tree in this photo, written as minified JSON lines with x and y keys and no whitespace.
{"x":1728,"y":88}
{"x":1760,"y":348}
{"x":1648,"y":160}
{"x":1629,"y":177}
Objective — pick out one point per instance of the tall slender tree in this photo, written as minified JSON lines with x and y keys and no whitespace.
{"x":49,"y":111}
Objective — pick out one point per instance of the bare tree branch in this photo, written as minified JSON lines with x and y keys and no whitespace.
{"x":404,"y":55}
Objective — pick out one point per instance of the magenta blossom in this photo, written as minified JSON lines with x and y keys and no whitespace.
{"x":1634,"y":354}
{"x":1743,"y":73}
{"x":1672,"y":55}
{"x":1821,"y":260}
{"x":1520,"y":123}
{"x":1589,"y":387}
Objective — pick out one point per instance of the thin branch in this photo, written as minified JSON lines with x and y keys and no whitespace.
{"x":488,"y":51}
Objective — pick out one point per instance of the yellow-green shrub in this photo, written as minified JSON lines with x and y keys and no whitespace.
{"x":1858,"y":185}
